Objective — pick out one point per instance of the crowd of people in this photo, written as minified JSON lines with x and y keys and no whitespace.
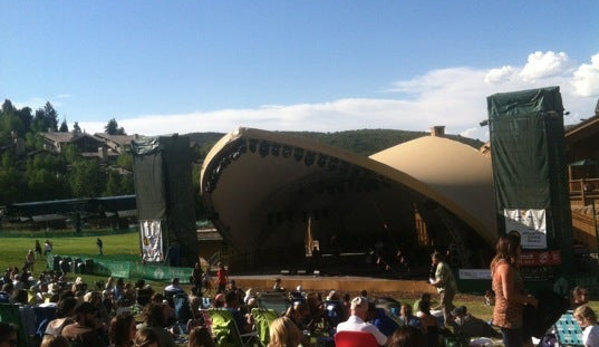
{"x":119,"y":313}
{"x":122,"y":314}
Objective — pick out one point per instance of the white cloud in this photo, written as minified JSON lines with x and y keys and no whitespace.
{"x":502,"y":74}
{"x":541,"y":65}
{"x":454,"y":97}
{"x":586,"y":78}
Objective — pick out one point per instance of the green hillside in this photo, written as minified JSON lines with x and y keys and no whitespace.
{"x":364,"y":141}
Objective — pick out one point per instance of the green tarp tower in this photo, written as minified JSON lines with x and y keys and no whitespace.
{"x":530,"y":175}
{"x":165,"y":201}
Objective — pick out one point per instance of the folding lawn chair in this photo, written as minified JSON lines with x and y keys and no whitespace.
{"x":226,"y":332}
{"x":263,"y":318}
{"x":567,"y":331}
{"x":355,"y":339}
{"x":275,"y":301}
{"x":10,"y":314}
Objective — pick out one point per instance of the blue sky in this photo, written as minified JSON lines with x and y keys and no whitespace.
{"x":161,"y":67}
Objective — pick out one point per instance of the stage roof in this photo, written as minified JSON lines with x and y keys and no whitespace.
{"x":264,"y":188}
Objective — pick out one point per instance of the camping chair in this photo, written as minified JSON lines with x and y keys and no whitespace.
{"x":334,"y":313}
{"x":207,"y":320}
{"x":263,"y":318}
{"x":567,"y":331}
{"x":226,"y":332}
{"x":10,"y":314}
{"x":355,"y":339}
{"x":182,"y":308}
{"x":43,"y":315}
{"x":274,"y":301}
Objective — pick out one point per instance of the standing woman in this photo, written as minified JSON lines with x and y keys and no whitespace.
{"x":508,"y":286}
{"x":197,"y":278}
{"x":29,"y":260}
{"x":47,"y":247}
{"x":38,"y":249}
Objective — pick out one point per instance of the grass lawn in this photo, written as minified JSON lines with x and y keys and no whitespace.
{"x":117,"y":247}
{"x":126,"y":247}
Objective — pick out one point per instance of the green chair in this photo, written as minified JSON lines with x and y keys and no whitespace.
{"x":226,"y":332}
{"x":10,"y":314}
{"x":263,"y":318}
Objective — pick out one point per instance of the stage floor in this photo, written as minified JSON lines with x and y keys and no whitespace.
{"x":341,"y":283}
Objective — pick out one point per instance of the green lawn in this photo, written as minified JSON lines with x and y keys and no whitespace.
{"x":117,"y":247}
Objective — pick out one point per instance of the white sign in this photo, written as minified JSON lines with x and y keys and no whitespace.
{"x":530,"y":223}
{"x":151,"y":240}
{"x":474,"y":274}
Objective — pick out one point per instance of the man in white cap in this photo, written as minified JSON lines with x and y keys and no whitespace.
{"x":357,"y":320}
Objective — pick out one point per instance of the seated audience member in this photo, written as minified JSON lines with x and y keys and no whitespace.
{"x":83,"y":331}
{"x":8,"y":334}
{"x":102,"y":314}
{"x":299,"y":314}
{"x":429,"y":323}
{"x":407,"y":317}
{"x":232,"y":287}
{"x":464,"y":324}
{"x":489,"y":298}
{"x":407,"y":337}
{"x":64,"y":312}
{"x":200,"y":337}
{"x":54,"y":341}
{"x":146,"y":337}
{"x":219,"y":300}
{"x":276,"y":287}
{"x":579,"y":296}
{"x":249,"y":294}
{"x":196,"y":319}
{"x":587,"y":319}
{"x":357,"y":320}
{"x":423,"y":297}
{"x":26,"y":313}
{"x":284,"y":333}
{"x":298,"y":294}
{"x":346,"y":303}
{"x":334,"y":310}
{"x":245,"y":323}
{"x":144,"y":292}
{"x":174,"y":287}
{"x":378,"y":317}
{"x":317,"y":310}
{"x":122,"y":330}
{"x":155,"y":319}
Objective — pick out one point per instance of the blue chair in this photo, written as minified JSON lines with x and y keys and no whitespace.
{"x":567,"y":331}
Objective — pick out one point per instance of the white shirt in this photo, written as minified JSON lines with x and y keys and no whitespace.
{"x":590,"y":335}
{"x":355,"y":323}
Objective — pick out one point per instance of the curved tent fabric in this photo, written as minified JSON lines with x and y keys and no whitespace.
{"x":461,"y":176}
{"x":262,"y":188}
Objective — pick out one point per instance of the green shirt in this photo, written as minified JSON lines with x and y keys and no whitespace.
{"x":444,"y":274}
